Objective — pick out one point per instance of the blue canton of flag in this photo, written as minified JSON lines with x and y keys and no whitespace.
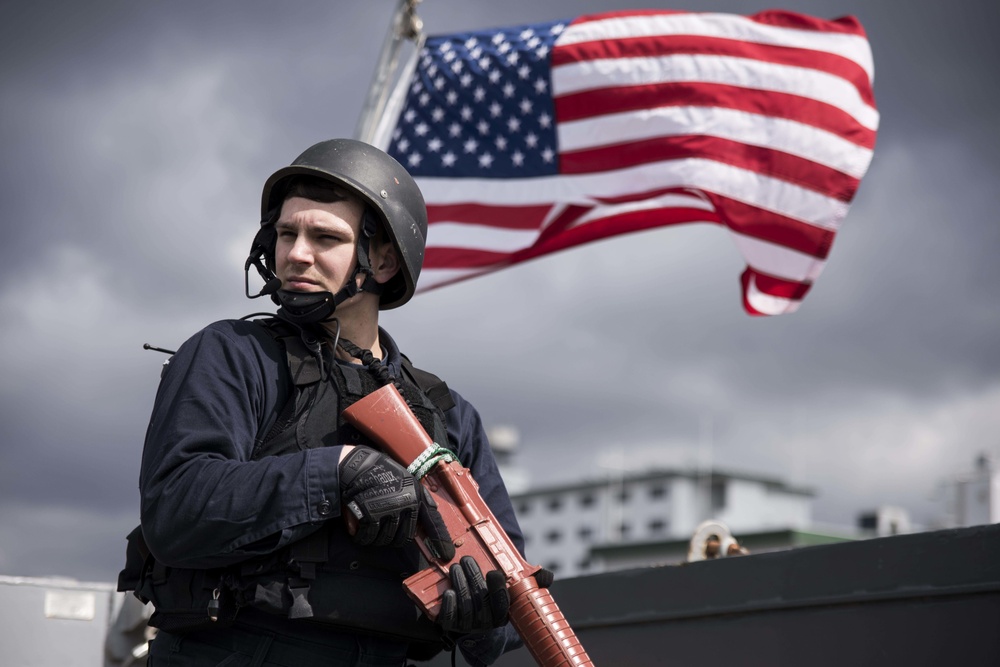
{"x":480,"y":106}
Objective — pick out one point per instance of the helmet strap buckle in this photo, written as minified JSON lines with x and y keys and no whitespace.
{"x":369,"y":226}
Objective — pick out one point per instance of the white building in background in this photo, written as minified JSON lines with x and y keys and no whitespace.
{"x":569,"y":528}
{"x":973,"y":499}
{"x":884,"y":521}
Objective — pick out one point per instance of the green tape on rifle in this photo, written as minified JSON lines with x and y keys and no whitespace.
{"x":428,"y":459}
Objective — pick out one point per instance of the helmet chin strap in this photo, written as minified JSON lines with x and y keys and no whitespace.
{"x":262,"y":243}
{"x":316,"y":307}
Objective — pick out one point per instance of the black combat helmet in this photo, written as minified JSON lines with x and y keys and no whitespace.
{"x":387,"y":190}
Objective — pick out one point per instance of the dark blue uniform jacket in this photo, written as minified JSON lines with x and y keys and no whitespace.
{"x":206,"y":504}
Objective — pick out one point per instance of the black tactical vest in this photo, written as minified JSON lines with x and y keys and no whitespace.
{"x":324,"y":577}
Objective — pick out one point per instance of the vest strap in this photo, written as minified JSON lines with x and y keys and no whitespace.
{"x":433,"y":387}
{"x":303,"y":364}
{"x":352,"y":380}
{"x":306,"y":554}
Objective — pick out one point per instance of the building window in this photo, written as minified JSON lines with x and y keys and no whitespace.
{"x":718,"y":495}
{"x":524,"y":508}
{"x":657,"y":491}
{"x":623,"y":495}
{"x":587,"y":500}
{"x":553,"y":536}
{"x":624,"y":529}
{"x":657,"y":527}
{"x":553,"y":566}
{"x":583,"y":565}
{"x":585,"y":533}
{"x":555,"y":504}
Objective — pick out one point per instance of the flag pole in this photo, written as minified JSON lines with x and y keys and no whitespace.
{"x":406,"y":25}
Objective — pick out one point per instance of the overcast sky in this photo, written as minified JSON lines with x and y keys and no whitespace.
{"x":136,"y":138}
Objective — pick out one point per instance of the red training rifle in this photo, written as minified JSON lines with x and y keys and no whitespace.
{"x":385,"y":418}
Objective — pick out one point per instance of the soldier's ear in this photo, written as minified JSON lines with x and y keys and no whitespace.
{"x":385,"y":263}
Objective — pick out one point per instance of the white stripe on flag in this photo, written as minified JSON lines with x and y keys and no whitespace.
{"x":789,"y":136}
{"x":778,"y":261}
{"x":727,"y":26}
{"x":479,"y":237}
{"x":767,"y":304}
{"x":667,"y":201}
{"x":743,"y":72}
{"x":743,"y":185}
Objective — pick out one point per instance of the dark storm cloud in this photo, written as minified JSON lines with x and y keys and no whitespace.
{"x":136,"y":139}
{"x":150,"y":124}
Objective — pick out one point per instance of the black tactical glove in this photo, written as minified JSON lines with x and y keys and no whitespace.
{"x":388,"y":502}
{"x":474,"y":604}
{"x":544,"y":578}
{"x":381,"y":495}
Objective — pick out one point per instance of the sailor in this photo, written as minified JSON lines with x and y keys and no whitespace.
{"x":248,"y":471}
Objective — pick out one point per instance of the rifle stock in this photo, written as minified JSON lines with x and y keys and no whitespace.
{"x":384,"y":417}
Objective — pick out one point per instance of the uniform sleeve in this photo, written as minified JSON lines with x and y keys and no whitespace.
{"x":204,"y":502}
{"x":468,"y":439}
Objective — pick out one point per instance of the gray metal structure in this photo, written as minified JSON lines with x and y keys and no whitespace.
{"x":52,"y":622}
{"x":920,"y":599}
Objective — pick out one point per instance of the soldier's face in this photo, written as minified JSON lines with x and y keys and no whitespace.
{"x":316,"y":249}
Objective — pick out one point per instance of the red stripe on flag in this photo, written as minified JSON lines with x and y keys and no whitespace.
{"x":563,"y":221}
{"x":667,"y":45}
{"x":506,"y":217}
{"x":739,"y":216}
{"x":782,"y":19}
{"x":461,"y":258}
{"x":587,"y":104}
{"x":650,"y":194}
{"x":847,"y":25}
{"x":593,"y":230}
{"x":742,"y":218}
{"x":779,"y":287}
{"x":615,"y":225}
{"x":773,"y":227}
{"x":771,"y":286}
{"x":777,"y":164}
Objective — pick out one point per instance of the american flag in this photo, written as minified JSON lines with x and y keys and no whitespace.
{"x":532,"y":139}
